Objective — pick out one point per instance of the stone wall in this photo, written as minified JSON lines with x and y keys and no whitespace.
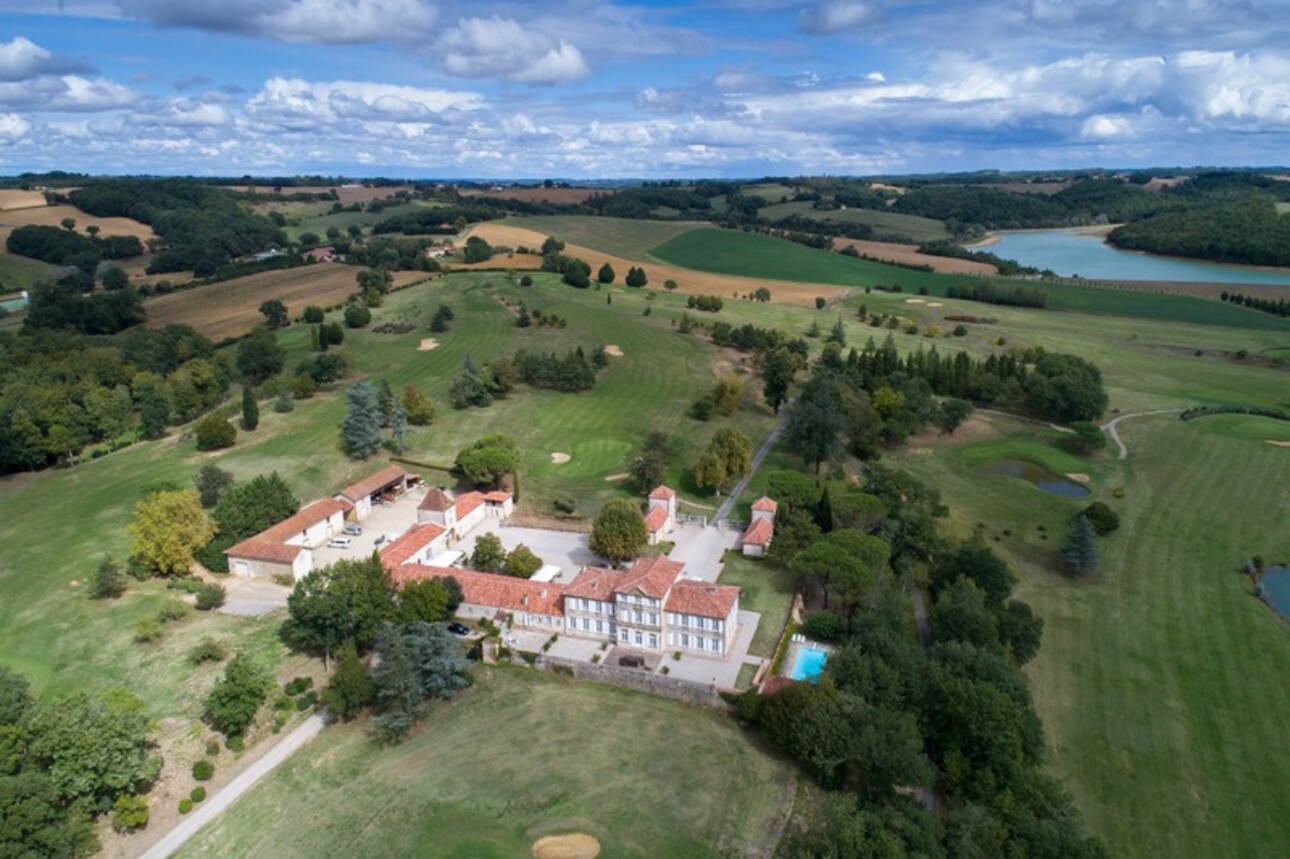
{"x":687,"y":691}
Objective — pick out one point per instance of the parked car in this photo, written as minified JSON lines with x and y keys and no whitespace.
{"x":339,"y":543}
{"x":458,"y":628}
{"x":354,"y":530}
{"x":380,"y":538}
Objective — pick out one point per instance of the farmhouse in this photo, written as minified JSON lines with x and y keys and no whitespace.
{"x":660,"y":517}
{"x":390,"y":482}
{"x":326,"y":254}
{"x":756,"y":539}
{"x":459,"y":515}
{"x":284,"y":548}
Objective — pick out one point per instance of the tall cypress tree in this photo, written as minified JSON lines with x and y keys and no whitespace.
{"x":250,"y":409}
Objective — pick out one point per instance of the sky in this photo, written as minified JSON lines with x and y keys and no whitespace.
{"x":656,"y":90}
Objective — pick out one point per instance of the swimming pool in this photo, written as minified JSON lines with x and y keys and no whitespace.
{"x":809,"y":664}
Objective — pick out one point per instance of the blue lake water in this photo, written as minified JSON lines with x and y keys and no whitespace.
{"x":1071,"y":253}
{"x":809,"y":664}
{"x":1053,"y":484}
{"x":1276,"y":589}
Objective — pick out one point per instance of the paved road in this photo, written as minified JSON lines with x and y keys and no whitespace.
{"x":217,"y":803}
{"x":724,"y":510}
{"x":1110,"y":427}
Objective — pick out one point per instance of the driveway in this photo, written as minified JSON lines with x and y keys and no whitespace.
{"x":252,"y":597}
{"x":701,"y":549}
{"x":390,"y":521}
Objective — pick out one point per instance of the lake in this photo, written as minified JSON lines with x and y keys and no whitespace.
{"x":1276,"y":589}
{"x":1072,"y":253}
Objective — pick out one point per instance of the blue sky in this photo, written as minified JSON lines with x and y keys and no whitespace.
{"x":589,"y":89}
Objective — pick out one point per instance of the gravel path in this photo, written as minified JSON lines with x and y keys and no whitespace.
{"x":217,"y":803}
{"x":729,"y":503}
{"x":1111,"y":427}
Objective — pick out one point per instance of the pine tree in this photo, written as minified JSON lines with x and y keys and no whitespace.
{"x":1080,"y":549}
{"x":323,"y":338}
{"x":108,"y":581}
{"x":361,"y":429}
{"x":385,"y":401}
{"x":524,"y":320}
{"x":398,"y":428}
{"x":838,"y":334}
{"x":250,"y":409}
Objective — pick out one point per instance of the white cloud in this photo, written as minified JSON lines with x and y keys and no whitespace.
{"x":324,"y":21}
{"x":836,"y":16}
{"x":21,"y":59}
{"x":501,"y":47}
{"x":295,"y":104}
{"x":13,"y":127}
{"x":68,"y":93}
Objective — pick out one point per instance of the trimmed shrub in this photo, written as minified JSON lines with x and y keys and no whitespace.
{"x":208,"y":650}
{"x":129,"y":813}
{"x":198,"y":794}
{"x":185,"y":805}
{"x":214,"y":432}
{"x":149,"y":629}
{"x":212,"y":748}
{"x":235,"y":744}
{"x":1103,"y":518}
{"x":210,"y":596}
{"x":203,"y":770}
{"x":825,"y":626}
{"x":172,"y":609}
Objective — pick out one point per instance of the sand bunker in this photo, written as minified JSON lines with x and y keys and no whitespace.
{"x":1079,"y":477}
{"x":574,"y":845}
{"x":915,"y":300}
{"x":611,"y":349}
{"x":428,"y":344}
{"x":935,"y":304}
{"x":620,"y":476}
{"x":1279,"y":443}
{"x":559,"y":458}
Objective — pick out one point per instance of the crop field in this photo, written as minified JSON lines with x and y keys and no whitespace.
{"x":884,"y":223}
{"x":52,"y":216}
{"x":345,"y":193}
{"x":593,"y":759}
{"x":539,"y":195}
{"x":232,"y":307}
{"x":771,"y":192}
{"x":745,"y":254}
{"x":16,"y":198}
{"x":909,"y":255}
{"x":689,"y":280}
{"x":628,"y":238}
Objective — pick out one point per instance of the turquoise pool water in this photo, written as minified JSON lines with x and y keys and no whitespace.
{"x":809,"y":664}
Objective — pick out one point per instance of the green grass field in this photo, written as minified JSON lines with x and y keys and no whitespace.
{"x":18,"y":272}
{"x":625,"y":237}
{"x":645,"y":776}
{"x":1161,"y":681}
{"x":766,"y":590}
{"x":883,"y":223}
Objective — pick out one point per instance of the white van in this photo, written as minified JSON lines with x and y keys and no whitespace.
{"x":339,"y":543}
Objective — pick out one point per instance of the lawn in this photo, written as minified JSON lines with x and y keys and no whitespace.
{"x":1161,"y":682}
{"x":883,"y":223}
{"x":644,"y":775}
{"x":19,"y":272}
{"x":629,"y":238}
{"x":766,"y":590}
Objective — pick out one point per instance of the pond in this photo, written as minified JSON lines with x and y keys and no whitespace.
{"x":1053,"y":484}
{"x":1072,"y":253}
{"x":1275,"y":585}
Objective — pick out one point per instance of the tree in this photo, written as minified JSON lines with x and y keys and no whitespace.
{"x":214,"y":432}
{"x":385,"y":402}
{"x":115,"y":278}
{"x":275,"y":314}
{"x":778,"y":371}
{"x":649,"y":467}
{"x":820,"y":302}
{"x":356,"y":316}
{"x":350,"y":688}
{"x":1103,"y":518}
{"x":348,"y":600}
{"x":93,"y":748}
{"x":476,"y":250}
{"x":838,"y":334}
{"x":397,"y":441}
{"x":168,"y":526}
{"x":975,"y":561}
{"x":417,"y":407}
{"x":1021,"y":631}
{"x":962,"y":613}
{"x":247,"y":508}
{"x":489,"y":556}
{"x":15,"y":697}
{"x":1088,"y":437}
{"x":431,"y":600}
{"x":619,"y":531}
{"x":442,"y":316}
{"x":636,"y":277}
{"x":726,"y":458}
{"x":360,"y":431}
{"x":336,"y":332}
{"x":1080,"y":549}
{"x":814,"y":422}
{"x":259,"y":356}
{"x":68,"y":223}
{"x":606,"y":274}
{"x":313,"y":314}
{"x":108,"y":581}
{"x":210,"y":596}
{"x":846,"y":563}
{"x":416,"y":663}
{"x":34,"y":820}
{"x":858,"y":510}
{"x":250,"y":409}
{"x":488,"y":459}
{"x":211,"y":481}
{"x":951,"y":414}
{"x":521,"y":562}
{"x":807,"y":722}
{"x":235,"y":698}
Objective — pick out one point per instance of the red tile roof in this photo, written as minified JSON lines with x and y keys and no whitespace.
{"x":497,"y":497}
{"x":759,"y":533}
{"x":495,"y":591}
{"x":270,"y":544}
{"x":662,"y":493}
{"x":416,"y":539}
{"x":435,"y":501}
{"x":374,"y":483}
{"x":467,"y":503}
{"x":765,"y":504}
{"x":656,"y":519}
{"x":651,"y":576}
{"x":703,"y":599}
{"x":596,"y":583}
